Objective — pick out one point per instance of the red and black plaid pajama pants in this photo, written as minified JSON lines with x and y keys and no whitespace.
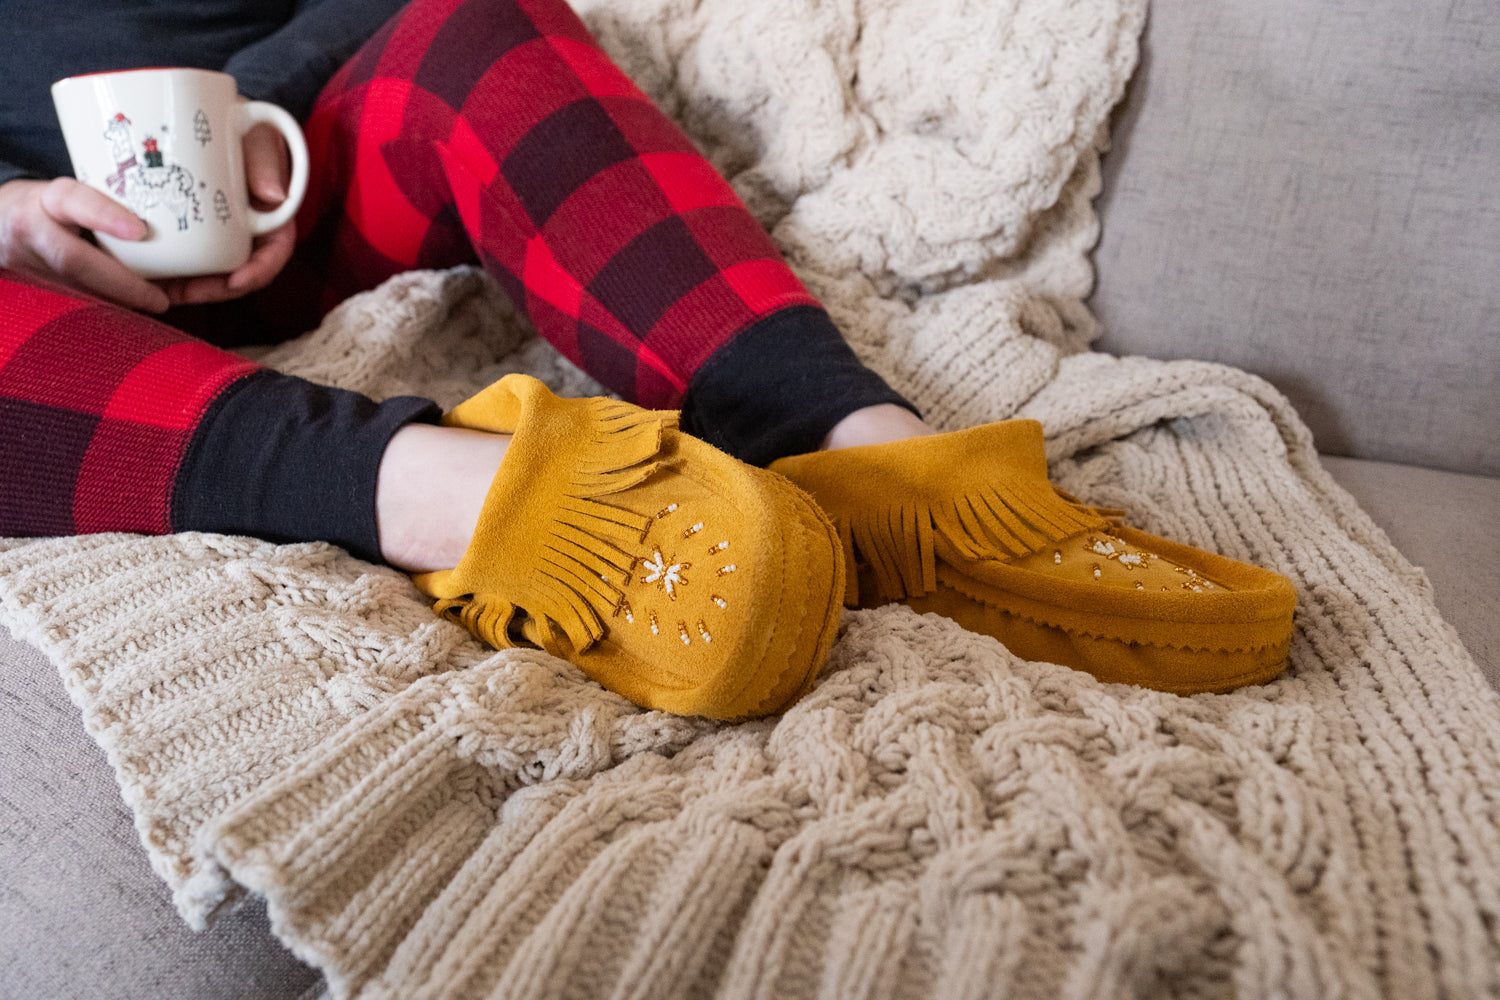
{"x":488,"y":130}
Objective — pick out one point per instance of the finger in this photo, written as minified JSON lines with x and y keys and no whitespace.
{"x":73,"y":204}
{"x":220,"y":287}
{"x":203,"y":289}
{"x":271,"y":253}
{"x":86,"y":267}
{"x":267,"y":167}
{"x":175,"y":289}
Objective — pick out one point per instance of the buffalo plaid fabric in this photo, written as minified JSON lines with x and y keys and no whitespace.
{"x":97,"y":408}
{"x":111,"y":421}
{"x":501,"y":129}
{"x":494,"y":130}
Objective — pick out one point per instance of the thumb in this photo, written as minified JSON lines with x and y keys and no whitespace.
{"x":267,"y":165}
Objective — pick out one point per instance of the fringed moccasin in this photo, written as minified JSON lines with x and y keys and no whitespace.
{"x":667,"y":571}
{"x":967,"y":525}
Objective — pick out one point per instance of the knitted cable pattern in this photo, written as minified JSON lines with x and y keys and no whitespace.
{"x":937,"y":818}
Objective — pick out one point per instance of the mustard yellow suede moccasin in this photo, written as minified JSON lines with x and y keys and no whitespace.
{"x":666,"y":570}
{"x":967,"y":525}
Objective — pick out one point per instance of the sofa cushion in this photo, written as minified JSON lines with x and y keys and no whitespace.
{"x":1445,"y":523}
{"x":81,"y":913}
{"x":1310,"y":192}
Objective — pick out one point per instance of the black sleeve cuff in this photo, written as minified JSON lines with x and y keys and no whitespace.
{"x":11,"y":172}
{"x":778,"y":388}
{"x":288,"y":460}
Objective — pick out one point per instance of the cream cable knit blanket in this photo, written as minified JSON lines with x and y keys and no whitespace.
{"x":428,"y":818}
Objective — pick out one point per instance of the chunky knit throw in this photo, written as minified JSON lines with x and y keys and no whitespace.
{"x":937,"y":818}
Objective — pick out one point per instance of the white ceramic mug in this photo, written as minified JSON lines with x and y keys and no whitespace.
{"x":167,"y":143}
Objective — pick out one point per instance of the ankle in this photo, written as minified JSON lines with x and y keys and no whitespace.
{"x":432,"y":485}
{"x":878,"y":424}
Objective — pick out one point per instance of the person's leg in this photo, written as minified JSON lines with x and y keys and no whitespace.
{"x":499,"y":131}
{"x":111,"y":421}
{"x":97,"y":412}
{"x":247,"y":450}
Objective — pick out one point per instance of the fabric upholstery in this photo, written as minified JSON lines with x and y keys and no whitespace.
{"x":1310,"y":192}
{"x":81,"y":913}
{"x":1444,"y":523}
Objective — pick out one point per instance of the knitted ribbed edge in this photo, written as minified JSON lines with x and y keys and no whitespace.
{"x":427,"y":818}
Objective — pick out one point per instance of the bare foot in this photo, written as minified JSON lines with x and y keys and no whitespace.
{"x":875,"y":425}
{"x":432,"y":484}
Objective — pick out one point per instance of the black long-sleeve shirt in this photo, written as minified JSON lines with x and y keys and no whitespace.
{"x":282,"y":51}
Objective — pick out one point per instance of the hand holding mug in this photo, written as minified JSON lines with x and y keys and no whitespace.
{"x":41,"y":233}
{"x":268,"y":179}
{"x":172,"y":145}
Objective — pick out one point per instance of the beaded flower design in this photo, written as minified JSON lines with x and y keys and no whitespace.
{"x":669,"y":576}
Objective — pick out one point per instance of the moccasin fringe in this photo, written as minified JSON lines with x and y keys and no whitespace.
{"x":1003,"y":521}
{"x":982,"y":493}
{"x":579,"y":558}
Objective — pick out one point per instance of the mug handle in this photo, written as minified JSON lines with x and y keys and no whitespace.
{"x":254,"y":112}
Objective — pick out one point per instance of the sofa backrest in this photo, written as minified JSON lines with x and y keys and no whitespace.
{"x":1311,"y":192}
